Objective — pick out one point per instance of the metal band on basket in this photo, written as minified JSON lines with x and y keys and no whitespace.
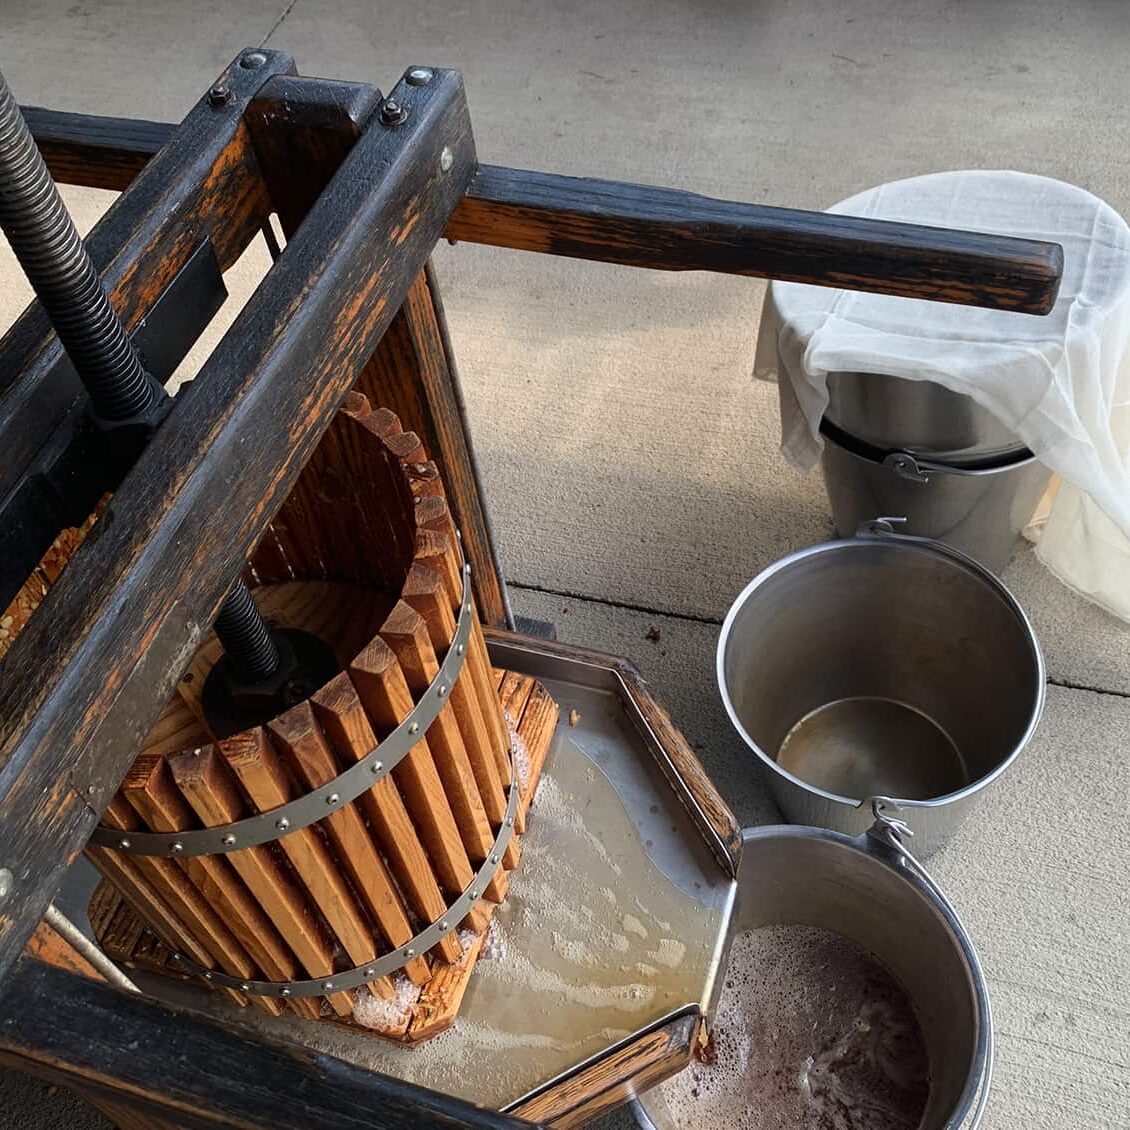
{"x":264,"y":827}
{"x":398,"y":958}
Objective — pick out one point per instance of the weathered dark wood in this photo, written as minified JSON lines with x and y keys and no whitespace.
{"x":193,"y":1072}
{"x":672,"y":230}
{"x":86,"y":680}
{"x":94,"y":151}
{"x":611,"y":1081}
{"x":204,"y":184}
{"x":302,"y":129}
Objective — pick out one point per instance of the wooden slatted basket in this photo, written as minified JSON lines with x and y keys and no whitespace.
{"x":364,"y":555}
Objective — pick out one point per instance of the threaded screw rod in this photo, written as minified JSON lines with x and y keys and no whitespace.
{"x":55,"y":259}
{"x":59,"y":268}
{"x":246,"y":638}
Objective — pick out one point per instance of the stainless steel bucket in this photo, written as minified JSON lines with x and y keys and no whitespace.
{"x":872,"y":890}
{"x":920,"y":417}
{"x":979,"y":509}
{"x":880,"y":665}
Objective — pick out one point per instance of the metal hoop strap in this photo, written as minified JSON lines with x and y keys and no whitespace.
{"x":398,"y":958}
{"x":317,"y":804}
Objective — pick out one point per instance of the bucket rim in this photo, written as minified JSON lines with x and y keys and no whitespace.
{"x":928,"y":546}
{"x":900,"y":862}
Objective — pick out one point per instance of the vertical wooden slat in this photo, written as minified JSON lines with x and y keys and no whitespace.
{"x":437,"y":551}
{"x":250,"y":756}
{"x":407,"y":634}
{"x":424,"y":592}
{"x":387,"y":700}
{"x":206,"y":784}
{"x":150,"y":789}
{"x":174,"y":889}
{"x":298,"y":737}
{"x":346,"y":726}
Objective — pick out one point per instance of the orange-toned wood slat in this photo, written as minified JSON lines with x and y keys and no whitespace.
{"x":406,"y":633}
{"x":424,"y":592}
{"x":125,"y":877}
{"x":257,"y":766}
{"x":298,"y":737}
{"x":174,"y":889}
{"x":383,"y":691}
{"x":150,"y":789}
{"x":347,"y":728}
{"x":437,"y":551}
{"x":436,"y":1010}
{"x":206,"y":783}
{"x":537,"y":725}
{"x":512,"y":694}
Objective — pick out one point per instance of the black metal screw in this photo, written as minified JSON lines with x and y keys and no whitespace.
{"x":245,"y":635}
{"x":392,"y":113}
{"x":55,"y":259}
{"x":219,"y":95}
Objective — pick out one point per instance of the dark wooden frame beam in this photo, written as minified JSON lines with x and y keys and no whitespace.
{"x":302,"y":129}
{"x":662,"y":228}
{"x":187,"y":1070}
{"x":124,"y":619}
{"x":204,"y":185}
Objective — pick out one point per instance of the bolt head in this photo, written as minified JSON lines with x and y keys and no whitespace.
{"x":409,"y":952}
{"x":419,"y":76}
{"x":176,"y":848}
{"x":252,"y":60}
{"x":282,"y":824}
{"x":378,"y":766}
{"x":474,"y":894}
{"x":245,"y":987}
{"x":228,"y":840}
{"x":208,"y":976}
{"x":219,"y":95}
{"x":392,"y":113}
{"x":370,"y":972}
{"x":332,"y":799}
{"x":443,"y":924}
{"x":284,"y":992}
{"x":460,"y":649}
{"x":442,"y":690}
{"x":327,"y":985}
{"x":414,"y":728}
{"x":7,"y":881}
{"x":446,"y":158}
{"x":123,"y":845}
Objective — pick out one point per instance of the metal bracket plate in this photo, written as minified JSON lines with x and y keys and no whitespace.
{"x":265,"y":827}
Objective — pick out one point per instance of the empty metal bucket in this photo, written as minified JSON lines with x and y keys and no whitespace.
{"x":872,"y":891}
{"x":980,"y":509}
{"x":921,"y":417}
{"x":880,"y":665}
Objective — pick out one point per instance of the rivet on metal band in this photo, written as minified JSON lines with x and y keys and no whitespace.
{"x":398,"y":958}
{"x":264,"y":827}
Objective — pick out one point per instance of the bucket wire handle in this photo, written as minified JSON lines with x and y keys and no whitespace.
{"x":891,"y":830}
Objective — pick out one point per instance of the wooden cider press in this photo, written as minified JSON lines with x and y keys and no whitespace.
{"x":269,"y":739}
